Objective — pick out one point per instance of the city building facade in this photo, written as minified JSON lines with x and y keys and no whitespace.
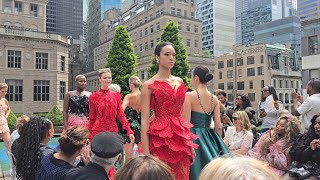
{"x":310,"y":44}
{"x":285,"y":31}
{"x":145,"y":22}
{"x":249,"y":68}
{"x":218,"y":25}
{"x":33,"y":63}
{"x":309,"y":9}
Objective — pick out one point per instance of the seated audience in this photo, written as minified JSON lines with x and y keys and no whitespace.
{"x":55,"y":166}
{"x":274,"y":145}
{"x":32,"y":146}
{"x":239,"y":137}
{"x":305,"y":152}
{"x":235,"y":168}
{"x":106,"y":149}
{"x":144,"y":168}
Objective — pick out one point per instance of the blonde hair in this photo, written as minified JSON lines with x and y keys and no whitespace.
{"x":22,"y":120}
{"x":244,"y":118}
{"x":74,"y":139}
{"x":237,"y":167}
{"x":3,"y":85}
{"x":135,"y":81}
{"x":292,"y":130}
{"x":115,"y":88}
{"x":104,"y":70}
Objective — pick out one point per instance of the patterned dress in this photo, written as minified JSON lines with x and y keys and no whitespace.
{"x":3,"y":120}
{"x":134,"y":118}
{"x":169,"y":135}
{"x":78,"y":114}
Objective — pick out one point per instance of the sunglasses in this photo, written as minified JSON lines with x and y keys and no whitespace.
{"x":235,"y":118}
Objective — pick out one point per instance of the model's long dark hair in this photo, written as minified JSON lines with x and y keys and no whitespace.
{"x":29,"y":155}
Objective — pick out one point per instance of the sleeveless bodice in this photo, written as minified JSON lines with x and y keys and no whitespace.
{"x":3,"y":109}
{"x":79,"y":105}
{"x":200,"y":120}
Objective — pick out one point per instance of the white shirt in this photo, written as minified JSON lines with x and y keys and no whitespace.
{"x":237,"y":139}
{"x":269,"y":121}
{"x":309,"y":108}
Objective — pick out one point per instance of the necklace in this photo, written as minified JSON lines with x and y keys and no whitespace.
{"x":208,"y":113}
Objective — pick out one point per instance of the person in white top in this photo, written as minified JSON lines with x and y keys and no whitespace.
{"x":239,"y":137}
{"x":267,"y":110}
{"x":309,"y":107}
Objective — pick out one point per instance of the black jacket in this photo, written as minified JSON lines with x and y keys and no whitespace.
{"x":91,"y":172}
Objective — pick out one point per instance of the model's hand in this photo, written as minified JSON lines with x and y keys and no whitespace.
{"x":132,"y":138}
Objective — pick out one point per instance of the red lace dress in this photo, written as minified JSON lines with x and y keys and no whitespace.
{"x":104,"y":107}
{"x":169,"y":135}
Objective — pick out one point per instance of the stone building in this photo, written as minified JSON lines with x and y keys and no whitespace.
{"x":249,"y":68}
{"x":32,"y":62}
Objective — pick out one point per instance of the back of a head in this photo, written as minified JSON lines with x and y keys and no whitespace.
{"x":237,"y":167}
{"x":144,"y":168}
{"x":135,"y":80}
{"x":73,"y":140}
{"x":115,"y":88}
{"x":22,"y":120}
{"x":203,"y":73}
{"x":315,"y":84}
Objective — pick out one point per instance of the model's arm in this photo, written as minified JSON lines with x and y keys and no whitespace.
{"x":186,"y":108}
{"x":9,"y":108}
{"x":122,"y":116}
{"x":145,"y":112}
{"x":125,"y":102}
{"x":66,"y":109}
{"x":217,"y":120}
{"x":92,"y":112}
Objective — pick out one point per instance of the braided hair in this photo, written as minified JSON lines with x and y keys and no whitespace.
{"x":29,"y":154}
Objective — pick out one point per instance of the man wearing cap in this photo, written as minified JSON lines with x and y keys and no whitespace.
{"x":106,"y":149}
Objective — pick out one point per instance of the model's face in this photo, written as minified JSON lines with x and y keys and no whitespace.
{"x":3,"y":92}
{"x":317,"y":126}
{"x":222,"y":99}
{"x":265,"y":92}
{"x":167,"y":57}
{"x":81,"y":82}
{"x":105,"y":79}
{"x":239,"y":101}
{"x":281,"y":126}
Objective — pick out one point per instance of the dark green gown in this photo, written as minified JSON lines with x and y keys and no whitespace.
{"x":210,"y":143}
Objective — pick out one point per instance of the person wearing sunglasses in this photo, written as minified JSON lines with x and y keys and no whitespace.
{"x":239,"y":137}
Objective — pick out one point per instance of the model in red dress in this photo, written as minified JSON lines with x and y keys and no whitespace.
{"x":104,"y":107}
{"x":166,"y":135}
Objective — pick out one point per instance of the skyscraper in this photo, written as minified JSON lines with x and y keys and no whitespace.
{"x":65,"y":17}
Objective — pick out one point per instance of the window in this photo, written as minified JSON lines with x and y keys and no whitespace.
{"x":41,"y":60}
{"x":62,"y":89}
{"x":297,"y":84}
{"x":250,"y":84}
{"x":262,"y":83}
{"x":221,"y":86}
{"x":34,"y":10}
{"x":261,"y":70}
{"x":180,"y":26}
{"x":140,"y":47}
{"x":240,"y":85}
{"x":313,"y":45}
{"x":188,"y":43}
{"x":192,"y":14}
{"x":41,"y":90}
{"x":146,"y":31}
{"x":220,"y":64}
{"x":146,"y":46}
{"x":239,"y":61}
{"x":230,"y":63}
{"x":173,"y":11}
{"x":250,"y":60}
{"x":151,"y":44}
{"x":15,"y":90}
{"x":286,"y":83}
{"x":140,"y":33}
{"x":63,"y":63}
{"x":142,"y":74}
{"x":250,"y":72}
{"x":7,"y":6}
{"x":230,"y":73}
{"x":14,"y":59}
{"x":239,"y":72}
{"x":252,"y":97}
{"x":275,"y":83}
{"x":196,"y":43}
{"x":188,"y":27}
{"x":17,"y":7}
{"x":151,"y":29}
{"x":220,"y":75}
{"x":178,"y":12}
{"x":261,"y":59}
{"x":196,"y":28}
{"x":158,"y":26}
{"x":145,"y":19}
{"x":230,"y":85}
{"x":280,"y":83}
{"x":286,"y":98}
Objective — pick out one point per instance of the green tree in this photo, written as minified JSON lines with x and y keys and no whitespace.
{"x":181,"y":68}
{"x":55,"y":115}
{"x":121,"y":59}
{"x":12,"y":121}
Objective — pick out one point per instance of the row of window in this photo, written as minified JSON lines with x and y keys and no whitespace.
{"x":152,"y":43}
{"x":17,"y":7}
{"x":252,"y":97}
{"x":240,"y":85}
{"x":286,"y":84}
{"x":41,"y":90}
{"x":250,"y":72}
{"x":239,"y":61}
{"x":41,"y":60}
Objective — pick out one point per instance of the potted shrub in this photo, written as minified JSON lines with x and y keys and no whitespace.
{"x":12,"y":121}
{"x":55,"y":115}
